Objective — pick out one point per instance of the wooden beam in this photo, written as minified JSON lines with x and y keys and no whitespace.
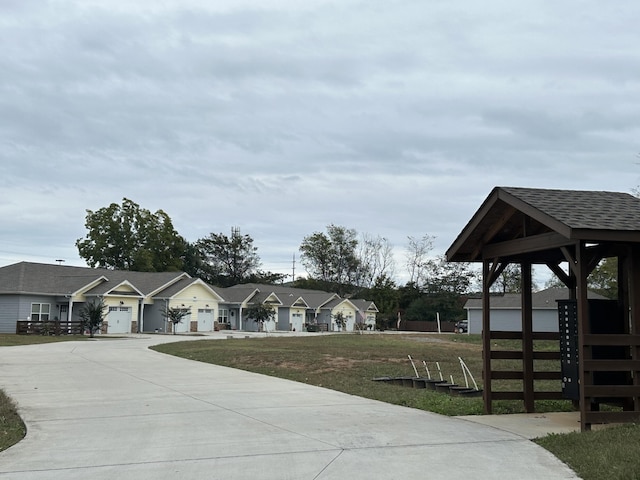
{"x":497,"y":267}
{"x":568,"y":279}
{"x":583,"y":331}
{"x":612,"y":365}
{"x":611,"y":339}
{"x":535,"y":243}
{"x":527,"y":336}
{"x":486,"y":339}
{"x":614,"y":417}
{"x":494,"y":230}
{"x":571,"y":260}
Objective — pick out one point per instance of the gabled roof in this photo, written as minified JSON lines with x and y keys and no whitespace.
{"x":337,"y":301}
{"x":549,"y":219}
{"x":266,"y":297}
{"x":46,"y":279}
{"x":543,"y":300}
{"x":108,"y":288}
{"x":364,"y":305}
{"x":176,"y":288}
{"x":312,"y":298}
{"x":236,"y":295}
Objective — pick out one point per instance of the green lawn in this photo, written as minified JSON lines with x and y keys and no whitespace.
{"x":348,"y":363}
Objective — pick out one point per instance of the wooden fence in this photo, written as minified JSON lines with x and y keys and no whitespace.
{"x":55,"y":327}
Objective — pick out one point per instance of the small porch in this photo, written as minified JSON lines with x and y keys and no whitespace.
{"x":569,"y":232}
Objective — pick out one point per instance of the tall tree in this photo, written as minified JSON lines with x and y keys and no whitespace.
{"x":228,"y":260}
{"x":332,"y":257}
{"x":128,"y":237}
{"x":417,"y":256}
{"x":375,"y":258}
{"x":456,"y":278}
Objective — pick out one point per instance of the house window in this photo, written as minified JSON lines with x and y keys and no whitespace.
{"x":223,"y":315}
{"x":40,"y":312}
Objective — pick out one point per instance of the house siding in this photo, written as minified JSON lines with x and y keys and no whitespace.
{"x":509,"y":320}
{"x":9,"y":313}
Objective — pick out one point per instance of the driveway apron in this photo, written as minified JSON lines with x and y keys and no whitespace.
{"x":113,"y":409}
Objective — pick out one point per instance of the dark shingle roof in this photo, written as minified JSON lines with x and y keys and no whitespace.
{"x":581,"y":209}
{"x":559,"y":217}
{"x":40,"y":278}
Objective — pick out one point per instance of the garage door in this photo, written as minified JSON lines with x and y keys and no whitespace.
{"x":205,"y":320}
{"x":119,"y":319}
{"x":183,"y":326}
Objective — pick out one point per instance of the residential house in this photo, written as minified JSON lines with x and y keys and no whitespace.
{"x":367,"y":312}
{"x":136,"y":301}
{"x":41,"y":292}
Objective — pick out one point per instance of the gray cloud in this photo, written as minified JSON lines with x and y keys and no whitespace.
{"x":395,"y":118}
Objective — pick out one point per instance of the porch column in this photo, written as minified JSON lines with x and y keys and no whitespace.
{"x":582,"y":272}
{"x":486,"y":337}
{"x":527,"y":337}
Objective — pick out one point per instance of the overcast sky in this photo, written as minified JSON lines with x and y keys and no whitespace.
{"x":392,"y":117}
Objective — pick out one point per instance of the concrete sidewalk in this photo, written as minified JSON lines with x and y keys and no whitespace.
{"x":116,"y":410}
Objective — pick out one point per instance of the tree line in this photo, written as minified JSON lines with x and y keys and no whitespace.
{"x":128,"y":237}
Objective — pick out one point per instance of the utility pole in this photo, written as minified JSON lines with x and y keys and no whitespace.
{"x":293,"y":273}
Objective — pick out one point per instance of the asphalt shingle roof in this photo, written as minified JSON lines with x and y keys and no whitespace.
{"x":582,"y":209}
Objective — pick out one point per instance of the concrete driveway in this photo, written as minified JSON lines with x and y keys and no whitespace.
{"x":113,"y":409}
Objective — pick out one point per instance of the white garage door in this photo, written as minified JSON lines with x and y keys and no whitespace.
{"x":205,"y":320}
{"x":184,"y":325}
{"x":119,"y":319}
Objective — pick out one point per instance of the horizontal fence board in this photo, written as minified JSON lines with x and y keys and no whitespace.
{"x":518,"y":355}
{"x":611,"y":365}
{"x":24,"y":327}
{"x":508,"y":335}
{"x":612,"y":417}
{"x":618,"y":391}
{"x":611,"y":340}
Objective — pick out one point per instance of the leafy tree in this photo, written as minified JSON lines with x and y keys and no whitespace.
{"x":427,"y":308}
{"x":127,"y":237}
{"x":408,"y":294}
{"x":603,"y":279}
{"x":228,"y":260}
{"x":384,"y":294}
{"x":510,"y":280}
{"x":442,"y":276}
{"x":260,"y":313}
{"x":175,"y":315}
{"x":92,"y":316}
{"x":332,"y":257}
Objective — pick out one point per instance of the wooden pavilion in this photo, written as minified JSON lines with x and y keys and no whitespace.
{"x":599,"y":342}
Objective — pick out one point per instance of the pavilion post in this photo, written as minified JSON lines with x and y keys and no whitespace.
{"x":527,"y":337}
{"x":486,"y":336}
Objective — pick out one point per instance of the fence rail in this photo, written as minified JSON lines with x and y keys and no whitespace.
{"x":55,"y":327}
